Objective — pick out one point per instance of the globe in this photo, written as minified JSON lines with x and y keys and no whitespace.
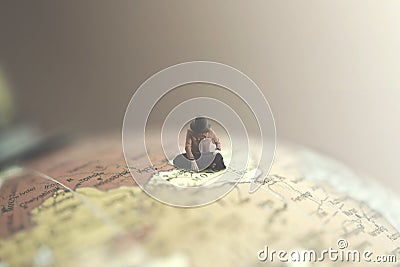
{"x":80,"y":206}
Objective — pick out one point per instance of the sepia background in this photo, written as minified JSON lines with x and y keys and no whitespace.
{"x":330,"y":70}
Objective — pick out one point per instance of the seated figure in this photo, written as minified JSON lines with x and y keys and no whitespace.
{"x":202,"y":148}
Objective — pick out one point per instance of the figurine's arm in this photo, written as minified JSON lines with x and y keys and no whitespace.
{"x":188,"y":145}
{"x":215,"y":139}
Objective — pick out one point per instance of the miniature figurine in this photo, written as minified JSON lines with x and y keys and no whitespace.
{"x":202,"y":148}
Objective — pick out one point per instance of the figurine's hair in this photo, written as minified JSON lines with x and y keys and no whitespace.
{"x":200,"y":125}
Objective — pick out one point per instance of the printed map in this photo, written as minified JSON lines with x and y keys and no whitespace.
{"x":79,"y":206}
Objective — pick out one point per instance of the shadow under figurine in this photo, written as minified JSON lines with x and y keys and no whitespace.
{"x":202,"y":148}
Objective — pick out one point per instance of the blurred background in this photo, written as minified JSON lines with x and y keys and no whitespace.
{"x":330,"y":70}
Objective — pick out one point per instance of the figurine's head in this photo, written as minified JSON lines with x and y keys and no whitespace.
{"x":200,"y":125}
